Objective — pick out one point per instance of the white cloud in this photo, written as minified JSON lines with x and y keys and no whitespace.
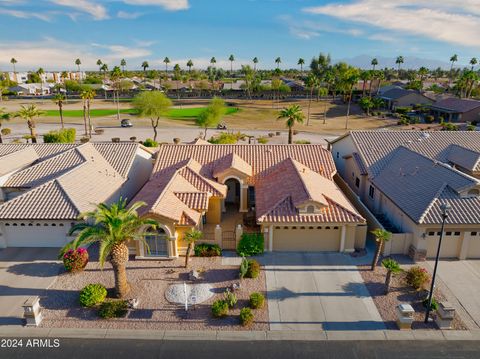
{"x":447,"y":20}
{"x":24,"y":14}
{"x":128,"y":15}
{"x":309,"y":29}
{"x":172,"y":5}
{"x":98,"y":12}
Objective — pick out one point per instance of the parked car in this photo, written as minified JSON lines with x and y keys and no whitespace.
{"x":126,"y":123}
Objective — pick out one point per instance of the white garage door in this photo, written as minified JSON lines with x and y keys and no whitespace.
{"x":35,"y":236}
{"x":450,"y":246}
{"x":307,"y":239}
{"x":474,"y":246}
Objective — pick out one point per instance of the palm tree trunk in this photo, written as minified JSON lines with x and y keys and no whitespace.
{"x":89,"y":120}
{"x":85,"y":118}
{"x":154,"y":126}
{"x":309,"y":105}
{"x":118,"y":107}
{"x":348,"y":108}
{"x":60,"y":110}
{"x":290,"y":135}
{"x":1,"y":139}
{"x":388,"y":279}
{"x":187,"y":255}
{"x":364,"y":87}
{"x":119,"y":258}
{"x":378,"y":250}
{"x":325,"y":113}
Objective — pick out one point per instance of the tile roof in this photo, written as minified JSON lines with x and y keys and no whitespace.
{"x":195,"y":200}
{"x":396,"y":93}
{"x":360,"y":164}
{"x":231,"y":161}
{"x":465,"y":158}
{"x":457,"y":105}
{"x":12,"y":161}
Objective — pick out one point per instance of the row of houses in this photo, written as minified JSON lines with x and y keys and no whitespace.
{"x":300,"y":197}
{"x":47,"y":77}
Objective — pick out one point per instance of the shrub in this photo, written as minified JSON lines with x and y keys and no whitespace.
{"x":6,"y":131}
{"x":227,"y":138}
{"x":92,"y":294}
{"x":417,"y":277}
{"x":207,"y":250}
{"x":253,"y":269}
{"x":250,"y":244}
{"x":230,"y":298}
{"x":219,"y":309}
{"x":66,"y":135}
{"x":302,"y":142}
{"x":429,"y":119}
{"x":113,"y":309}
{"x":246,"y":316}
{"x":434,"y":305}
{"x":75,"y":260}
{"x":150,"y":143}
{"x":257,"y":300}
{"x":262,"y":140}
{"x":243,"y":268}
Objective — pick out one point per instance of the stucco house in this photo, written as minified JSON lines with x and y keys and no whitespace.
{"x":403,"y":177}
{"x":285,"y":192}
{"x":456,"y":110}
{"x":44,"y":187}
{"x":399,"y":97}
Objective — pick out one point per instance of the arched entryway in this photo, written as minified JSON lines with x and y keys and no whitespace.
{"x":157,"y":241}
{"x":233,"y":193}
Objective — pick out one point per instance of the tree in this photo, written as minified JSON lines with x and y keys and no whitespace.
{"x":123,"y":63}
{"x":78,"y":63}
{"x":112,"y":226}
{"x":392,"y":267}
{"x":312,"y":83}
{"x":453,"y":59}
{"x":166,"y":61}
{"x":87,"y":95}
{"x":365,"y":76}
{"x":231,"y":59}
{"x":191,"y":237}
{"x":278,"y":61}
{"x":213,"y":61}
{"x":4,"y":116}
{"x":366,"y":103}
{"x":59,"y":99}
{"x":381,"y":236}
{"x":374,"y":63}
{"x":115,"y":77}
{"x":399,"y":61}
{"x":473,"y":62}
{"x":145,"y":66}
{"x":104,"y":68}
{"x":292,"y":115}
{"x":153,"y":104}
{"x":255,"y":62}
{"x":423,"y":73}
{"x":212,"y":115}
{"x":28,"y":113}
{"x":41,"y":72}
{"x":301,"y":62}
{"x":248,"y":75}
{"x":349,"y":80}
{"x":99,"y":64}
{"x":190,"y":65}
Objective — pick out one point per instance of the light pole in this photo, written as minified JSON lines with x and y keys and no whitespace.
{"x":445,"y":208}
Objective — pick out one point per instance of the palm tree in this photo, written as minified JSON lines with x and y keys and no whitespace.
{"x":145,"y":66}
{"x":453,"y":59}
{"x":423,"y":72}
{"x":351,"y":78}
{"x":278,"y":60}
{"x":13,"y":61}
{"x":104,"y":68}
{"x":374,"y":63}
{"x":3,"y":116}
{"x":112,"y":226}
{"x":41,"y":72}
{"x":392,"y":267}
{"x":312,"y":83}
{"x":78,"y":63}
{"x":166,"y":61}
{"x":292,"y":114}
{"x":123,"y":63}
{"x":255,"y":62}
{"x":231,"y":59}
{"x":365,"y":76}
{"x":301,"y":62}
{"x":115,"y":77}
{"x":191,"y":237}
{"x":473,"y":62}
{"x":59,"y":99}
{"x":399,"y":61}
{"x":213,"y":61}
{"x":381,"y":236}
{"x":190,"y":65}
{"x":99,"y":64}
{"x":87,"y":96}
{"x":29,"y":113}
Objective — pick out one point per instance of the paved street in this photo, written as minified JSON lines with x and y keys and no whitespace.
{"x":318,"y":291}
{"x":21,"y":277}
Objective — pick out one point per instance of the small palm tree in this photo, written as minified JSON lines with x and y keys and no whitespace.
{"x":112,"y":226}
{"x":278,"y":61}
{"x":166,"y":61}
{"x":231,"y":59}
{"x":29,"y":113}
{"x":4,"y":116}
{"x":78,"y":62}
{"x":190,"y":65}
{"x":59,"y":99}
{"x":13,"y":61}
{"x":301,"y":62}
{"x":104,"y":68}
{"x":255,"y":62}
{"x":374,"y":63}
{"x":99,"y":64}
{"x":399,"y":61}
{"x":381,"y":236}
{"x":191,"y":237}
{"x":292,"y":115}
{"x":392,"y":267}
{"x":145,"y":66}
{"x":40,"y":73}
{"x":473,"y":62}
{"x":123,"y":63}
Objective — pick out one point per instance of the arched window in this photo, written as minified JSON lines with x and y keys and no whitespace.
{"x":310,"y":209}
{"x":157,"y":243}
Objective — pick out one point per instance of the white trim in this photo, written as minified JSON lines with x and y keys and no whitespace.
{"x":342,"y":238}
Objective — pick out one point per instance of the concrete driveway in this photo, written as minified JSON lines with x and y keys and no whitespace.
{"x":24,"y":272}
{"x":462,"y":279}
{"x":318,"y":291}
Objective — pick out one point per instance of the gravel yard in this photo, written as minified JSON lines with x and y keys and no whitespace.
{"x":149,"y":280}
{"x":400,"y":292}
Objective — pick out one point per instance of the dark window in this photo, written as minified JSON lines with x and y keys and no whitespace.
{"x":22,"y":224}
{"x":335,"y":227}
{"x":251,"y":196}
{"x":431,"y":233}
{"x":294,"y":227}
{"x":449,"y":233}
{"x":457,"y":233}
{"x":30,"y":224}
{"x":327,"y":227}
{"x":371,"y":192}
{"x":439,"y":233}
{"x":277,"y":227}
{"x":7,"y":224}
{"x":310,"y":209}
{"x":357,"y":182}
{"x":285,"y":227}
{"x":61,"y":224}
{"x":310,"y":227}
{"x":54,"y":225}
{"x":473,"y":233}
{"x":319,"y":227}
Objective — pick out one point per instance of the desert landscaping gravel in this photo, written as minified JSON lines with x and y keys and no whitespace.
{"x":149,"y":280}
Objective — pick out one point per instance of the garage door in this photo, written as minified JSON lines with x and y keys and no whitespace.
{"x":35,"y":236}
{"x":450,"y":246}
{"x":308,"y":239}
{"x":474,"y":247}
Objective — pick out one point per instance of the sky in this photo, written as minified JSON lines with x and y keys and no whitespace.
{"x":53,"y":33}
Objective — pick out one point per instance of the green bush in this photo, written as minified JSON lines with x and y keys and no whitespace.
{"x":257,"y":300}
{"x":227,"y":138}
{"x":434,"y":305}
{"x":207,"y":250}
{"x":253,"y":269}
{"x":67,"y":135}
{"x":219,"y":309}
{"x":243,"y":268}
{"x":230,"y":298}
{"x":246,"y":316}
{"x":92,"y":294}
{"x":262,"y":140}
{"x":113,"y":309}
{"x":429,"y":119}
{"x":302,"y":142}
{"x":6,"y":131}
{"x":250,"y":244}
{"x":150,"y":143}
{"x":417,"y":277}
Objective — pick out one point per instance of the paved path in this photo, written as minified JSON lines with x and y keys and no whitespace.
{"x":24,"y":272}
{"x":318,"y":291}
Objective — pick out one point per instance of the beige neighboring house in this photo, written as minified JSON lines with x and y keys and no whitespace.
{"x":284,"y":192}
{"x":44,"y":187}
{"x":403,"y":177}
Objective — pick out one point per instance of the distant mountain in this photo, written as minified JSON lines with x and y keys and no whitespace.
{"x":411,"y":62}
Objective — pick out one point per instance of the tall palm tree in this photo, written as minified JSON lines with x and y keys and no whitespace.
{"x":87,"y":96}
{"x":104,"y":68}
{"x":399,"y":61}
{"x":166,"y":61}
{"x":365,"y":75}
{"x":351,"y":78}
{"x":213,"y":61}
{"x":78,"y":62}
{"x":292,"y":115}
{"x":374,"y":63}
{"x":312,"y":83}
{"x":231,"y":59}
{"x":4,"y":116}
{"x":191,"y":237}
{"x":278,"y":60}
{"x":381,"y":236}
{"x":453,"y":59}
{"x":145,"y":66}
{"x":13,"y":61}
{"x":28,"y":113}
{"x":59,"y":99}
{"x":112,"y":226}
{"x":99,"y":64}
{"x":473,"y":62}
{"x":40,"y":73}
{"x":190,"y":65}
{"x":123,"y":63}
{"x":255,"y":62}
{"x":301,"y":62}
{"x":115,"y":77}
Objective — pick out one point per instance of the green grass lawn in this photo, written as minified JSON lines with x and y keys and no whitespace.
{"x":176,"y":113}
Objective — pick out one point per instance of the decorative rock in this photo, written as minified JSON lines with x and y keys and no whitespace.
{"x":132,"y":303}
{"x":193,"y":276}
{"x":198,"y":292}
{"x":235,"y":286}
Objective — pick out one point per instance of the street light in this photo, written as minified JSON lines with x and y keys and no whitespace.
{"x":445,"y":208}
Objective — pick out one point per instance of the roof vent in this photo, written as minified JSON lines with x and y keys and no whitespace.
{"x":424,"y":135}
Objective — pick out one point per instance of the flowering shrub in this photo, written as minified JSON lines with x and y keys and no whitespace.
{"x":417,"y":277}
{"x":75,"y":260}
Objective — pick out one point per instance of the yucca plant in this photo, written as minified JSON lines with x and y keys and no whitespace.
{"x":392,"y":267}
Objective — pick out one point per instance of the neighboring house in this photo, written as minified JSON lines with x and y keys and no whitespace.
{"x":404,"y":176}
{"x":454,"y":109}
{"x":285,"y":192}
{"x":399,"y":97}
{"x":31,"y":89}
{"x":383,"y":89}
{"x":44,"y":187}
